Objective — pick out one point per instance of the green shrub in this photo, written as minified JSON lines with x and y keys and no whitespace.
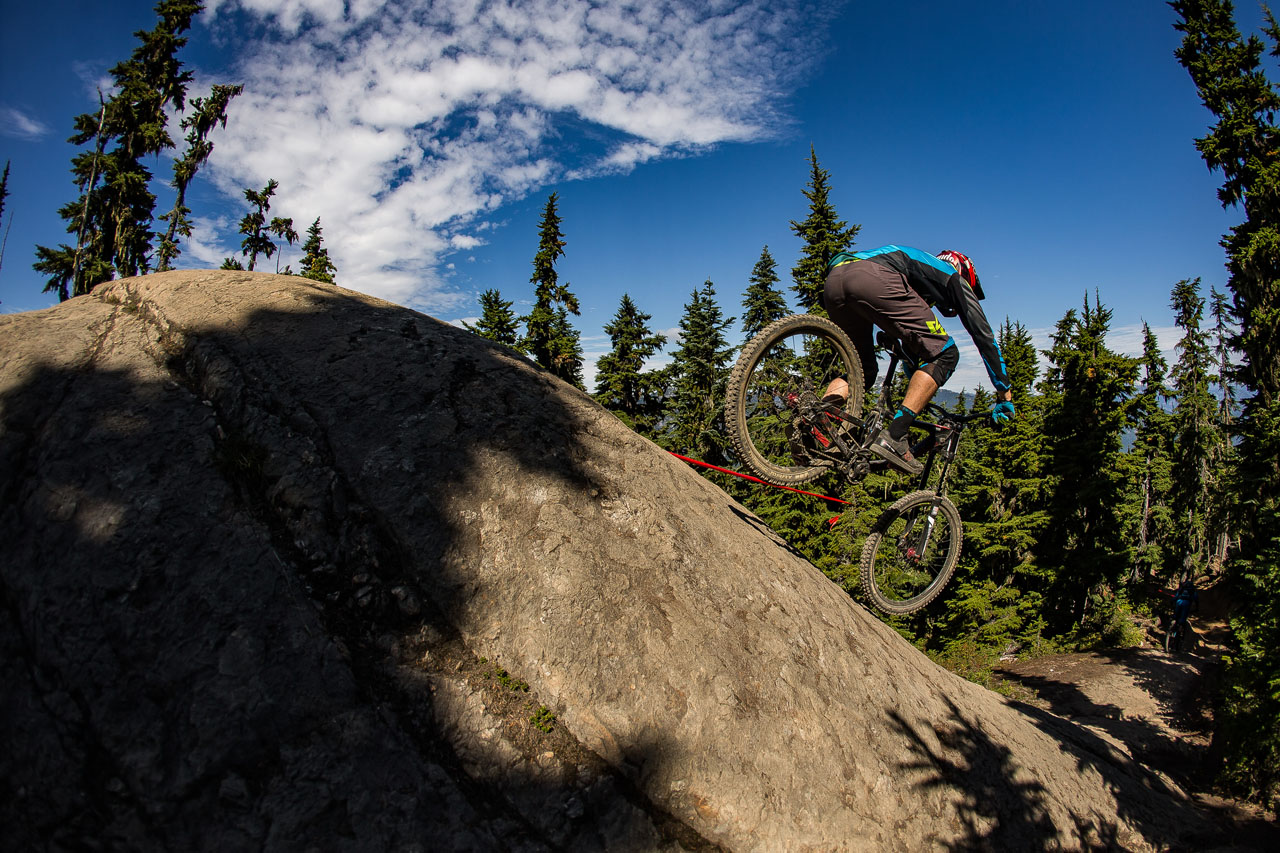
{"x":543,"y":719}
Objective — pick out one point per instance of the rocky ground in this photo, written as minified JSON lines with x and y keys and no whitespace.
{"x":284,"y":567}
{"x":1156,"y":707}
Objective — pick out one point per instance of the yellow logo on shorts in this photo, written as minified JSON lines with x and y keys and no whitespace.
{"x":936,"y":328}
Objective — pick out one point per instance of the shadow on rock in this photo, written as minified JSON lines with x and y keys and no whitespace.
{"x":211,"y":591}
{"x":1154,"y":745}
{"x":1001,"y":806}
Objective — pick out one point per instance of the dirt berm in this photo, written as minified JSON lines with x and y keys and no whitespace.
{"x":286,"y":567}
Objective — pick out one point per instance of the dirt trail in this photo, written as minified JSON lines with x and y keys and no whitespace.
{"x":1156,"y":707}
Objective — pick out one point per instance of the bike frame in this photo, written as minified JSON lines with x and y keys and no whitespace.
{"x":853,"y":461}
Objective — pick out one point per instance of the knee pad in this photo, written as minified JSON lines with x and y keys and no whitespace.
{"x":944,"y":365}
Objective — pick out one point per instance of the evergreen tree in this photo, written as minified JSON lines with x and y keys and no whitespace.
{"x":1153,"y":469}
{"x":825,"y":235}
{"x":4,"y":193}
{"x":258,"y":230}
{"x":315,"y":258}
{"x":1223,"y":332}
{"x":763,"y":302}
{"x":1086,"y":398}
{"x":1244,"y":146}
{"x":622,"y":385}
{"x":4,"y":189}
{"x":112,"y":219}
{"x":1195,"y":434}
{"x":1225,"y":461}
{"x":699,"y":372}
{"x":497,"y":323}
{"x":206,"y":113}
{"x":1000,"y":486}
{"x":549,"y":336}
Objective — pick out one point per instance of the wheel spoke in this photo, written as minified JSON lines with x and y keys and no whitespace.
{"x":910,"y":555}
{"x":780,"y":373}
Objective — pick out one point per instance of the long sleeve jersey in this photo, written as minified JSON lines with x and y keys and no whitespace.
{"x":943,"y":289}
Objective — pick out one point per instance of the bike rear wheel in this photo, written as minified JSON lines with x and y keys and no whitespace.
{"x":911,"y":552}
{"x":789,"y":364}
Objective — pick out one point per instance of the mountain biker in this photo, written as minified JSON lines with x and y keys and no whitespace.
{"x":897,"y":288}
{"x":1185,"y":600}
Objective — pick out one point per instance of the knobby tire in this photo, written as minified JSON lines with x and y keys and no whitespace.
{"x":791,"y":357}
{"x":895,"y":574}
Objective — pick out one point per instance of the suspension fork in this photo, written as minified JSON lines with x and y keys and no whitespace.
{"x":919,"y":545}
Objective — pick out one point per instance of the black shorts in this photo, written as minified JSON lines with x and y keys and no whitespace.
{"x":861,"y":294}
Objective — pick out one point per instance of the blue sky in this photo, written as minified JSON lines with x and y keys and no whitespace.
{"x":1053,"y":143}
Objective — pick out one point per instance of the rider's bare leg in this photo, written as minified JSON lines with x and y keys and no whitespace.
{"x":838,"y":388}
{"x":920,"y":391}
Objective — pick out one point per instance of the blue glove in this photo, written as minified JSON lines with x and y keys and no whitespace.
{"x":1002,"y":413}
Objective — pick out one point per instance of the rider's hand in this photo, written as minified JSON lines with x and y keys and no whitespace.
{"x":1003,"y":412}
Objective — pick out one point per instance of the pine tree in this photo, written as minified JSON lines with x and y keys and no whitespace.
{"x":112,"y":218}
{"x":825,"y":235}
{"x":1223,"y":332}
{"x":549,"y":336}
{"x":1153,"y":469}
{"x":1195,"y":434}
{"x":258,"y":230}
{"x":763,"y":302}
{"x":622,"y":385}
{"x":1244,"y":146}
{"x":497,"y":323}
{"x":4,"y":193}
{"x":699,"y":372}
{"x":1000,"y":486}
{"x":1086,"y":398}
{"x":206,"y":113}
{"x":315,"y":258}
{"x":1225,"y":460}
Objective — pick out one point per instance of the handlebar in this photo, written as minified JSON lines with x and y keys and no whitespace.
{"x":944,"y":415}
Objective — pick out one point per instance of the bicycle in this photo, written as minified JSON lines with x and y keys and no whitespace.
{"x":783,"y":432}
{"x":1185,"y":600}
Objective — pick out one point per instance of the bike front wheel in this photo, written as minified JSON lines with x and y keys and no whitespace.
{"x":786,"y":367}
{"x":911,"y":552}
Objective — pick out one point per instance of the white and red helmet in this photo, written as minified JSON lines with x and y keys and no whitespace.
{"x":964,"y":267}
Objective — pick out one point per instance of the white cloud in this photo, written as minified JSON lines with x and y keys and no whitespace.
{"x":204,"y":248}
{"x":465,"y":241}
{"x":19,"y":125}
{"x":403,"y":124}
{"x":1126,"y":340}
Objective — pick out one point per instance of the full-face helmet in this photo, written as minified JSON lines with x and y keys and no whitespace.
{"x":964,"y":267}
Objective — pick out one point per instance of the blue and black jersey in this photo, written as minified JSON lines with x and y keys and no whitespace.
{"x":942,"y":288}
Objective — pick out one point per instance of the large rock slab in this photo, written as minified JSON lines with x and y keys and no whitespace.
{"x":288,"y":567}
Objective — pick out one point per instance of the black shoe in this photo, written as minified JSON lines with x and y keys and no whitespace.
{"x":895,"y":452}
